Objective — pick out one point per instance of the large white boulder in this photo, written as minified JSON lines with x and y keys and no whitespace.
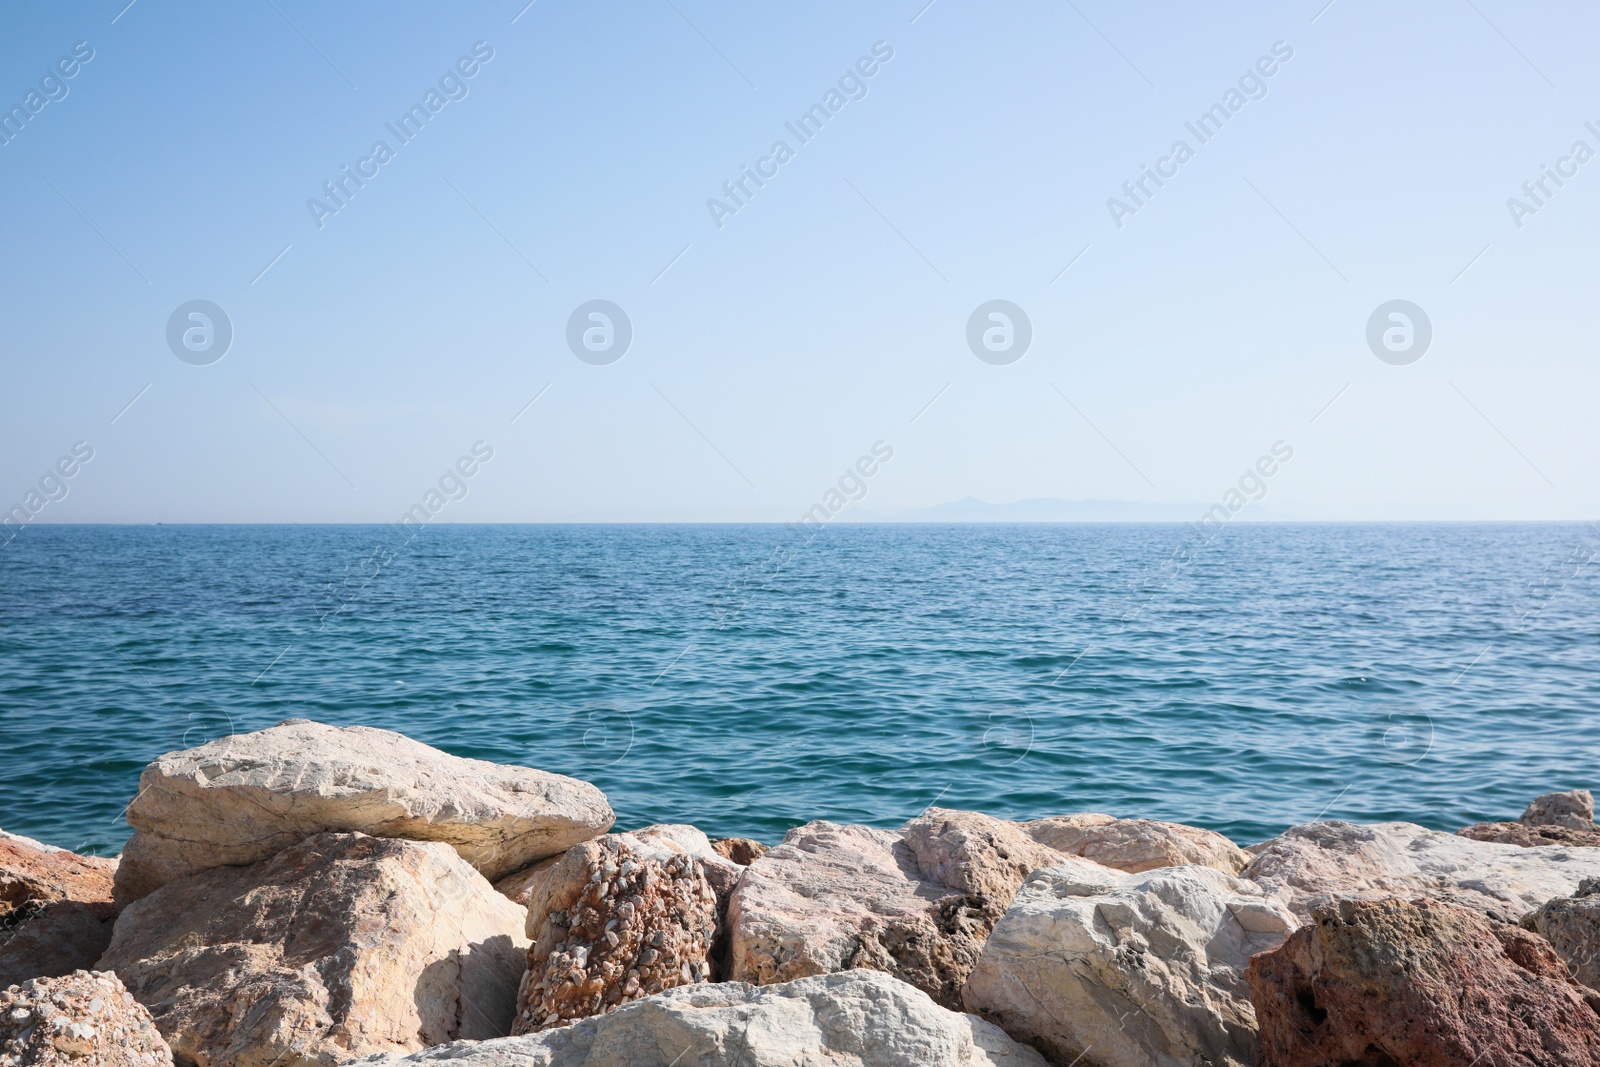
{"x":853,"y":1019}
{"x":240,"y":799}
{"x":1129,"y":970}
{"x":341,"y":946}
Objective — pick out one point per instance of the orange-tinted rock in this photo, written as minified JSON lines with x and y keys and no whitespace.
{"x":740,"y":850}
{"x":1396,"y":983}
{"x":55,"y":909}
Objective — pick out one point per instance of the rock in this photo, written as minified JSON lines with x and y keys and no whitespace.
{"x":1572,"y":926}
{"x":740,"y":850}
{"x":1136,"y":845}
{"x":85,"y":1018}
{"x":1312,"y":863}
{"x":55,"y":909}
{"x":520,"y":886}
{"x":1525,"y":836}
{"x":854,"y":1019}
{"x":239,"y":799}
{"x":341,"y":946}
{"x":1553,"y":819}
{"x":832,"y":897}
{"x":985,"y":858}
{"x":1421,"y":984}
{"x":1129,"y":970}
{"x":1574,"y":810}
{"x":618,"y":918}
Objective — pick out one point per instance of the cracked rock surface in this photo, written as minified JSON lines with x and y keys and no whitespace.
{"x":341,"y":946}
{"x":1129,"y":970}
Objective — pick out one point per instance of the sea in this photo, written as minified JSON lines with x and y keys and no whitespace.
{"x":749,"y":678}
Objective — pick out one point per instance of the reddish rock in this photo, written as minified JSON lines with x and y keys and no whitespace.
{"x":55,"y":909}
{"x":1525,"y":836}
{"x":1395,"y":983}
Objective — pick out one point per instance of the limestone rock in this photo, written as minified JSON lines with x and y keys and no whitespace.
{"x":1312,"y":863}
{"x":740,"y":850}
{"x":854,"y":1019}
{"x":55,"y":909}
{"x":985,"y":858}
{"x":341,"y":946}
{"x":1423,"y":984}
{"x":1135,"y":845}
{"x":832,"y":897}
{"x":1572,"y":926}
{"x":1553,"y":819}
{"x":85,"y":1018}
{"x":1574,"y":809}
{"x":1129,"y":970}
{"x":239,"y":799}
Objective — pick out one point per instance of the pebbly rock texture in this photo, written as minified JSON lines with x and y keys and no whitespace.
{"x":1129,"y":970}
{"x":1319,"y":861}
{"x":1135,"y":845}
{"x":1572,"y":926}
{"x":239,"y":799}
{"x":341,"y":946}
{"x":917,"y":905}
{"x":1553,"y":819}
{"x":854,"y":1019}
{"x":1382,"y":983}
{"x":618,"y":918}
{"x":740,"y":850}
{"x":55,"y":909}
{"x":84,"y":1018}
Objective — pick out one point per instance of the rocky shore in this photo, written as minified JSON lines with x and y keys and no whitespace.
{"x":315,"y":895}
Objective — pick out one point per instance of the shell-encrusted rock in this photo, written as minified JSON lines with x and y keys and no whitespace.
{"x":614,"y":920}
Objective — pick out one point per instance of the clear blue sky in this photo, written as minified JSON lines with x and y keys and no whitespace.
{"x":832,"y":307}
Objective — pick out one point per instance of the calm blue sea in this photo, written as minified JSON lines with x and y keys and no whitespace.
{"x":744,"y":679}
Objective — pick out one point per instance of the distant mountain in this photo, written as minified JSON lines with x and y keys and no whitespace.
{"x":1050,"y":509}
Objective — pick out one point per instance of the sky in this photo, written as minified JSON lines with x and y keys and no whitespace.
{"x":382,"y":339}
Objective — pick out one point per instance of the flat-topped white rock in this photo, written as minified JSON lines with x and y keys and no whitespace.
{"x":240,"y":799}
{"x":852,"y":1019}
{"x":1129,"y":970}
{"x":1309,"y":864}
